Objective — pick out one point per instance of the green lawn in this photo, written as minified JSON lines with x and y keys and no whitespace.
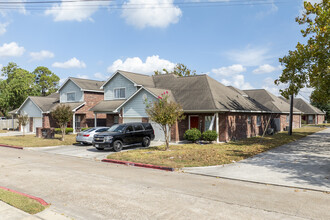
{"x":190,"y":155}
{"x":33,"y":141}
{"x":21,"y":202}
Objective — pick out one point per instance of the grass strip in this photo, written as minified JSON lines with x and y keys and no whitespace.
{"x":33,"y":141}
{"x":21,"y":202}
{"x":195,"y":155}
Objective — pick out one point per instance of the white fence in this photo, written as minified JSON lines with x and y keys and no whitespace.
{"x":8,"y":123}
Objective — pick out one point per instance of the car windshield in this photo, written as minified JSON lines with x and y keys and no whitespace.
{"x":117,"y":128}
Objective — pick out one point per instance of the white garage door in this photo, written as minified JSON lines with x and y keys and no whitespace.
{"x":37,"y":122}
{"x":159,"y":133}
{"x":128,"y":120}
{"x":26,"y":128}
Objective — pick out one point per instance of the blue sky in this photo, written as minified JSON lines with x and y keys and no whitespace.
{"x":237,"y":45}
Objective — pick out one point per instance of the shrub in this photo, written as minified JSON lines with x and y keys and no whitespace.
{"x":210,"y":135}
{"x":192,"y":134}
{"x":84,"y":129}
{"x":67,"y":130}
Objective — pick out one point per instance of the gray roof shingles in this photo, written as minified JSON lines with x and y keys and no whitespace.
{"x":304,"y":106}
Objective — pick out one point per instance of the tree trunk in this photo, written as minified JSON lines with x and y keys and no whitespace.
{"x":63,"y":132}
{"x":23,"y":130}
{"x":166,"y":138}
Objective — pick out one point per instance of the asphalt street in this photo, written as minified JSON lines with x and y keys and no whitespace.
{"x":86,"y":189}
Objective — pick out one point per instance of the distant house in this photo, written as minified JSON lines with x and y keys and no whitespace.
{"x":311,"y":114}
{"x":207,"y":104}
{"x":279,"y":108}
{"x":79,"y":94}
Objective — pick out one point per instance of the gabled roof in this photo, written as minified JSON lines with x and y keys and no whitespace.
{"x":85,"y":84}
{"x":136,"y":78}
{"x":304,"y":106}
{"x":270,"y":101}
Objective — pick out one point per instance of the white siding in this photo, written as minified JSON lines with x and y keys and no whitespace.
{"x":71,"y":87}
{"x":31,"y":109}
{"x":136,"y":106}
{"x":118,"y":81}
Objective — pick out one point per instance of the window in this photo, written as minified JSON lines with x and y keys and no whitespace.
{"x":102,"y":130}
{"x":208,"y":120}
{"x":310,"y":119}
{"x":147,"y":126}
{"x":138,"y":127}
{"x":129,"y":129}
{"x":249,"y":119}
{"x":258,"y":120}
{"x":71,"y":96}
{"x":119,"y":93}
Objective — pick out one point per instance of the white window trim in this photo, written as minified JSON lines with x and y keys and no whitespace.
{"x":257,"y":120}
{"x":67,"y":97}
{"x":114,"y":94}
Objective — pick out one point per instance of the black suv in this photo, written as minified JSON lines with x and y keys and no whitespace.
{"x":120,"y":135}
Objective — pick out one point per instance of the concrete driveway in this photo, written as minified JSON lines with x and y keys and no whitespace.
{"x":304,"y":164}
{"x":82,"y":151}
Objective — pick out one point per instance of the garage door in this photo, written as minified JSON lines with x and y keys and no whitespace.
{"x":37,"y":122}
{"x":159,"y":133}
{"x":26,"y":128}
{"x":128,"y":120}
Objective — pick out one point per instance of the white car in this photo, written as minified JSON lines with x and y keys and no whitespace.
{"x":86,"y":137}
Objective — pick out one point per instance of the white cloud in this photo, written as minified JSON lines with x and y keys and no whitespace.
{"x":272,"y":9}
{"x":72,"y":63}
{"x":269,"y":85}
{"x":100,"y":76}
{"x":3,"y":28}
{"x":41,"y":55}
{"x":11,"y":50}
{"x":239,"y":82}
{"x":146,"y":13}
{"x":82,"y":76}
{"x":19,"y":6}
{"x":266,"y":68}
{"x":250,"y":56}
{"x":71,"y":11}
{"x":229,"y":70}
{"x":135,"y":64}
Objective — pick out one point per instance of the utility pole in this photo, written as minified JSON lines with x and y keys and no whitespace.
{"x":291,"y":115}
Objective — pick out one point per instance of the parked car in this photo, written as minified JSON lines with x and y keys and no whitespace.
{"x":121,"y":135}
{"x":86,"y":137}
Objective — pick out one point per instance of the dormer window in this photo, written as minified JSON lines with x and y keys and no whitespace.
{"x":70,"y":96}
{"x":119,"y":93}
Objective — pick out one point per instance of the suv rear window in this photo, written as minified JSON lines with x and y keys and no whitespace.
{"x":138,"y":127}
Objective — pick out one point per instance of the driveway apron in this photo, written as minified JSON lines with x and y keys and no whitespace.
{"x":304,"y":164}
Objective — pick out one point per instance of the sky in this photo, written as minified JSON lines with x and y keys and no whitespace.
{"x":237,"y":42}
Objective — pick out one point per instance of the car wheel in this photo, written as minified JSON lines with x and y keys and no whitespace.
{"x":146,"y":141}
{"x":117,"y":145}
{"x":99,"y":148}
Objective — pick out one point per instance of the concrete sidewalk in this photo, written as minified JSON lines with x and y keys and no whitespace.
{"x":9,"y":212}
{"x":304,"y":164}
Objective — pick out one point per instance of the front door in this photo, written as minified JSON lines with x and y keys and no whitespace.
{"x":193,"y":122}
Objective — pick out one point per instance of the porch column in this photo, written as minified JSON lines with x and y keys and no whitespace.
{"x":95,"y":120}
{"x":74,"y":123}
{"x":217,"y":125}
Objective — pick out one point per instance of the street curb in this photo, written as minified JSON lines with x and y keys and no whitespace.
{"x":9,"y":146}
{"x":138,"y":164}
{"x":41,"y":201}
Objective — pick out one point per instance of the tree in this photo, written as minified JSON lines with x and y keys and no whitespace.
{"x":165,"y":113}
{"x":309,"y":64}
{"x":62,"y":115}
{"x":46,"y":81}
{"x":18,"y":85}
{"x":23,"y":120}
{"x":180,"y":70}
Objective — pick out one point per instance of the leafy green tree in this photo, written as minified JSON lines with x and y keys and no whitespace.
{"x":165,"y":113}
{"x":46,"y":81}
{"x":18,"y":85}
{"x":62,"y":115}
{"x":23,"y":120}
{"x":180,"y":70}
{"x":309,"y":64}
